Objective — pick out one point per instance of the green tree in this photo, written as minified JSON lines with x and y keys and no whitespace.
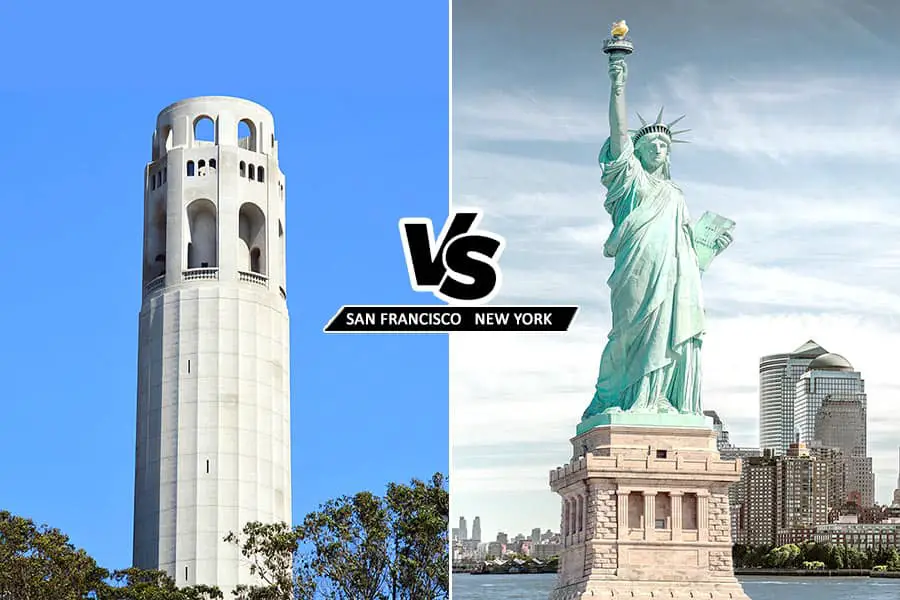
{"x":140,"y":584}
{"x":348,"y":557}
{"x":419,"y":522}
{"x":270,"y":550}
{"x":361,"y":547}
{"x":39,"y":563}
{"x":784,"y":557}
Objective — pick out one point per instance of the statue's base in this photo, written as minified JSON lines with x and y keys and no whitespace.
{"x":645,"y":420}
{"x":645,"y":513}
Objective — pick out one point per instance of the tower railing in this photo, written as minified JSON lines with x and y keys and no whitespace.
{"x":202,"y":273}
{"x":154,"y":284}
{"x":251,"y":277}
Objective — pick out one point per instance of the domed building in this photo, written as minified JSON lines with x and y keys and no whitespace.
{"x":830,"y":362}
{"x":830,"y":411}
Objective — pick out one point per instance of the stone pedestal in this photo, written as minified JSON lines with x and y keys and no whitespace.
{"x":645,"y":515}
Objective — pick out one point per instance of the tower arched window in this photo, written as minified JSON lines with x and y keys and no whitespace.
{"x":155,"y":250}
{"x":165,"y":174}
{"x":243,"y":169}
{"x":201,"y":164}
{"x":158,"y":178}
{"x":212,"y":163}
{"x":247,"y":135}
{"x":201,"y":168}
{"x":202,"y":249}
{"x":190,"y":168}
{"x":152,"y":182}
{"x":204,"y":129}
{"x":260,"y":174}
{"x":251,"y":172}
{"x":252,"y":239}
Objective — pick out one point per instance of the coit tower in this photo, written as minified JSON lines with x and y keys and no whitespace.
{"x":213,"y":402}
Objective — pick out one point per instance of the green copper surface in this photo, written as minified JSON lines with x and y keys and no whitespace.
{"x":650,"y":369}
{"x":645,"y":420}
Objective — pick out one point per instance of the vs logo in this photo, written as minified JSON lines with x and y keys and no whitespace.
{"x":461,"y":266}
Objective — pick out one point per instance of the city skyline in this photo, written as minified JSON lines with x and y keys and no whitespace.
{"x":530,"y":106}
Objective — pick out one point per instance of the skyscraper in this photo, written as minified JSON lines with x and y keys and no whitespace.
{"x":463,"y":530}
{"x":213,"y":405}
{"x":830,"y":412}
{"x":722,"y":437}
{"x":778,"y":376}
{"x":476,"y":529}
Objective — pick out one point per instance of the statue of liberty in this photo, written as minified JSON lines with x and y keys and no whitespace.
{"x":651,"y":363}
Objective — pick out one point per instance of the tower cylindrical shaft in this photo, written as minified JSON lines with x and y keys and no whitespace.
{"x":213,"y":417}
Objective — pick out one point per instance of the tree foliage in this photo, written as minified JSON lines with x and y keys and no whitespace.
{"x":419,"y":521}
{"x":38,"y":562}
{"x":360,"y":547}
{"x":815,"y":555}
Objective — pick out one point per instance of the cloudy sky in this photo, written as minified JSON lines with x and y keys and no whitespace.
{"x":795,"y":111}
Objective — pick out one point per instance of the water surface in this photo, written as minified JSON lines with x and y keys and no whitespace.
{"x":537,"y":587}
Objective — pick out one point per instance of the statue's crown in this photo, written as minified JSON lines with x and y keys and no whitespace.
{"x":658,"y":126}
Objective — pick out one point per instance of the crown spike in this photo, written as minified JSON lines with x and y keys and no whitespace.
{"x":643,"y":120}
{"x":680,"y":142}
{"x":660,"y":115}
{"x":676,"y":121}
{"x":680,"y":131}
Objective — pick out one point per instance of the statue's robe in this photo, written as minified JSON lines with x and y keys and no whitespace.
{"x":651,"y":362}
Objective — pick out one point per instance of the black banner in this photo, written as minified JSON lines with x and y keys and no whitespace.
{"x":444,"y":319}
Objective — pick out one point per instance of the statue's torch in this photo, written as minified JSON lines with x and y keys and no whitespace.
{"x":618,"y":46}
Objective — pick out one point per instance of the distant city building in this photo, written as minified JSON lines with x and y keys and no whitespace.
{"x":756,"y":526}
{"x":495,"y":549}
{"x":778,"y":377}
{"x":830,"y":412}
{"x":737,"y":492}
{"x":544,"y":551}
{"x":803,"y":489}
{"x":782,"y":493}
{"x":721,"y":434}
{"x":536,"y":536}
{"x":502,"y":538}
{"x":476,"y":529}
{"x":729,"y":452}
{"x":896,"y":500}
{"x":861,"y":536}
{"x":463,"y":530}
{"x":837,"y":495}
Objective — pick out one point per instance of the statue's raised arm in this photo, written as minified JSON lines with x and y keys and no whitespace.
{"x":618,"y":77}
{"x":618,"y":119}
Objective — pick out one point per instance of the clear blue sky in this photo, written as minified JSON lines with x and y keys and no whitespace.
{"x":359,"y":91}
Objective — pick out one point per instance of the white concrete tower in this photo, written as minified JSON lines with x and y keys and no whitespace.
{"x":213,"y":414}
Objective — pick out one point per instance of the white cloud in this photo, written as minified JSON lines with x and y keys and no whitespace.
{"x":813,"y":258}
{"x":790,"y":117}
